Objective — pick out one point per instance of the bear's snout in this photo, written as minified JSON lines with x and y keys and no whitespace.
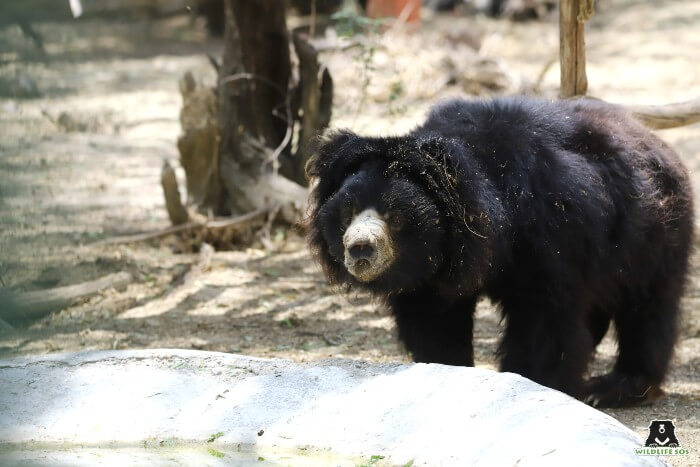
{"x":369,"y":249}
{"x":361,"y":250}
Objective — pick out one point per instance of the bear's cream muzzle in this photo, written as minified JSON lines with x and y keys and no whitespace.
{"x":369,"y":249}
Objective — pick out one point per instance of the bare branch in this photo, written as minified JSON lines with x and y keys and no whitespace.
{"x":667,"y":116}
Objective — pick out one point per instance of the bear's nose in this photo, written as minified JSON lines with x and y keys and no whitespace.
{"x":361,"y":250}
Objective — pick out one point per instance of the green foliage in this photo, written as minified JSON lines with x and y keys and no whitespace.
{"x":291,"y":322}
{"x":215,"y":436}
{"x":396,"y":92}
{"x":372,"y":461}
{"x":216,"y":453}
{"x":349,"y":23}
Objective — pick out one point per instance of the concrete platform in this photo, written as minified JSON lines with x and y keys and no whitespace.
{"x":180,"y":407}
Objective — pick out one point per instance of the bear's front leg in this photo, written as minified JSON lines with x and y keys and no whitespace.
{"x":433,"y":329}
{"x":547,"y":341}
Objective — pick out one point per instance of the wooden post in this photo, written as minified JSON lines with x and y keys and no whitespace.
{"x":572,"y":52}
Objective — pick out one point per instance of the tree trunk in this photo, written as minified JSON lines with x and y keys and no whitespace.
{"x":254,"y":100}
{"x":237,"y":152}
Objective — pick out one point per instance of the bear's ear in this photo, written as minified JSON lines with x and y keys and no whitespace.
{"x":339,"y":153}
{"x":332,"y":148}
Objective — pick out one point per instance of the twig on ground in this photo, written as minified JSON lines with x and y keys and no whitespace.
{"x":326,"y":339}
{"x":214,"y":224}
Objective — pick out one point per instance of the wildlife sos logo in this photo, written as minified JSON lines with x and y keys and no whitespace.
{"x":662,"y":434}
{"x":662,"y":440}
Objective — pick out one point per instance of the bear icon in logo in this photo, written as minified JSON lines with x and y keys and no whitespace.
{"x":662,"y":434}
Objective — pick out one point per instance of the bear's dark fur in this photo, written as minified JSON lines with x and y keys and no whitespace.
{"x":567,"y":214}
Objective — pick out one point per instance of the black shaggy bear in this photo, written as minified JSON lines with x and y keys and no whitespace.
{"x":568,"y":214}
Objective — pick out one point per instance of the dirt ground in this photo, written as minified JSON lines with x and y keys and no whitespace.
{"x":85,"y":128}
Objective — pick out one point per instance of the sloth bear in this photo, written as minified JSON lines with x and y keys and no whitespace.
{"x":567,"y":214}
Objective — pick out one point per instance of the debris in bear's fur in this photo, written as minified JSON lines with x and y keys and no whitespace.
{"x":568,"y":214}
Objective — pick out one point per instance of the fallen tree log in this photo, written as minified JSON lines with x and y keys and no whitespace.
{"x":30,"y":306}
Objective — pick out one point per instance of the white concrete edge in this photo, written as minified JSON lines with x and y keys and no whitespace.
{"x":93,"y":356}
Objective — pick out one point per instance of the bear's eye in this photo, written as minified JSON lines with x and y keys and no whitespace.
{"x":395,"y":220}
{"x":347,"y":211}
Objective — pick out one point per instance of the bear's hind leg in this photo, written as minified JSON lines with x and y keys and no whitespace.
{"x":433,"y":330}
{"x":646,"y":330}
